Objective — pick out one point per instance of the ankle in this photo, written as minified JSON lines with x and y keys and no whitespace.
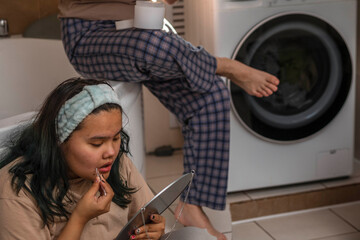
{"x":224,"y":66}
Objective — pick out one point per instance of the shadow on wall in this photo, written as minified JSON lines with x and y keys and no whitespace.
{"x":21,"y":13}
{"x":45,"y":28}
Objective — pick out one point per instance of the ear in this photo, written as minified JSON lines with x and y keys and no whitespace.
{"x":64,"y":147}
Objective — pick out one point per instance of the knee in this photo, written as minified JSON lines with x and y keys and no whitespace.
{"x":153,"y":50}
{"x":154,"y":42}
{"x":222,"y":90}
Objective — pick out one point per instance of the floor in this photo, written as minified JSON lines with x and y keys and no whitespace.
{"x":333,"y":222}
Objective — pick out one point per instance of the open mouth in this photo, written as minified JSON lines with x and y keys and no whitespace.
{"x":105,"y":168}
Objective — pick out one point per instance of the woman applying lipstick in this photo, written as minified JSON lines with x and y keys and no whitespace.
{"x":49,"y":185}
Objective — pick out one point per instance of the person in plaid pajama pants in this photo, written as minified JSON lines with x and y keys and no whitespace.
{"x":186,"y":80}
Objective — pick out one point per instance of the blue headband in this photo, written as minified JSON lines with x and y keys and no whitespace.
{"x":75,"y":110}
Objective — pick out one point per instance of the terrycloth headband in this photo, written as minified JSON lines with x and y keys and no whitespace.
{"x":82,"y":104}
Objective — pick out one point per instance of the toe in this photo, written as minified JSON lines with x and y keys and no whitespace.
{"x":272,"y":87}
{"x":268,"y":91}
{"x":273,"y":80}
{"x":265,"y":92}
{"x":260,"y":93}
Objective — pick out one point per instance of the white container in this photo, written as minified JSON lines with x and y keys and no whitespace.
{"x":149,"y":15}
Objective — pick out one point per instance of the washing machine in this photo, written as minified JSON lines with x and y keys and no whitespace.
{"x":305,"y":131}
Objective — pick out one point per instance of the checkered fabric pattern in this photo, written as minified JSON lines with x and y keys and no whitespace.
{"x":180,"y":75}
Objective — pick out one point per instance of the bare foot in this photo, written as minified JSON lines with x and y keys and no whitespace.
{"x":254,"y":82}
{"x":194,"y":216}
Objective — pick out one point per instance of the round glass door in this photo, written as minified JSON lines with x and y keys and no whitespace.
{"x":314,"y":67}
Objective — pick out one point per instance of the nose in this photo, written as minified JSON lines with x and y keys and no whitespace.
{"x":110,"y":150}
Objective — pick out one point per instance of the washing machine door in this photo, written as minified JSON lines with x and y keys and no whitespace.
{"x":314,"y":67}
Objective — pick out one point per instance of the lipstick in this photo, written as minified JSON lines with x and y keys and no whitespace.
{"x":102,"y":189}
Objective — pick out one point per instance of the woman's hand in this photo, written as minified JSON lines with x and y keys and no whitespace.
{"x":89,"y":206}
{"x":154,"y":230}
{"x":92,"y":205}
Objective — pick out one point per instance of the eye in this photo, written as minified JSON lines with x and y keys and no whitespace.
{"x":96,"y":144}
{"x":116,"y":138}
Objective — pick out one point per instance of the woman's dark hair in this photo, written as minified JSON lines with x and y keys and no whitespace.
{"x":39,"y":147}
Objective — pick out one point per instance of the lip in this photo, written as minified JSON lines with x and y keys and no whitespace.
{"x":105,"y":168}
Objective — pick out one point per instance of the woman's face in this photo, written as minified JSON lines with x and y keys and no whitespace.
{"x":95,"y":145}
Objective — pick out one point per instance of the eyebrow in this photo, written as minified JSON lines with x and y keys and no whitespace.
{"x":104,"y":137}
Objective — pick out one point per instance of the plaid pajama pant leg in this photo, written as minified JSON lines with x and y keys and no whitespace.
{"x":205,"y":129}
{"x":183,"y":79}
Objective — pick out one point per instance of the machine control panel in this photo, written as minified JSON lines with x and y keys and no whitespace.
{"x":273,"y":3}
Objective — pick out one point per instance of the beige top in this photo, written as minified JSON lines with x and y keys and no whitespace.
{"x":97,"y":9}
{"x":20,"y":217}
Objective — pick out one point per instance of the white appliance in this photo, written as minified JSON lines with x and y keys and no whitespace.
{"x":304,"y":132}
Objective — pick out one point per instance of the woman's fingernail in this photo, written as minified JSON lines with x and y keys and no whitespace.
{"x":97,"y":179}
{"x":132,"y":236}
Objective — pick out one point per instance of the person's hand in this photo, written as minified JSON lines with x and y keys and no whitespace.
{"x":154,"y":230}
{"x":92,"y":205}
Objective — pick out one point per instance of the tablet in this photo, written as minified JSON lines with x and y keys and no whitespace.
{"x":157,"y":205}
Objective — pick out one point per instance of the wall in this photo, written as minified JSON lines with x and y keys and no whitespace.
{"x":21,"y":13}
